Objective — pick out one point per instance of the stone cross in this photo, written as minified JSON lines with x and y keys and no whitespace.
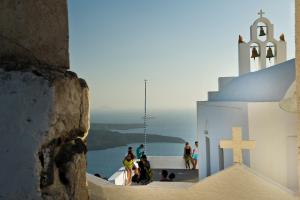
{"x":34,"y":33}
{"x":261,"y":13}
{"x":237,"y":144}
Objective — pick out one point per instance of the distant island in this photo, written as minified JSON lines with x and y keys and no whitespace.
{"x":102,"y":126}
{"x":101,"y":136}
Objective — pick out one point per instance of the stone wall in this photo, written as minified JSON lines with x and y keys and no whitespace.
{"x":297,"y":20}
{"x":34,"y":32}
{"x":44,"y":123}
{"x":44,"y":107}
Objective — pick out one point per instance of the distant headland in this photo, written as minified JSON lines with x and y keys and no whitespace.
{"x":102,"y":136}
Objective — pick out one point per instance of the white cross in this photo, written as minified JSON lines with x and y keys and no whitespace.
{"x":261,"y":13}
{"x":237,"y":144}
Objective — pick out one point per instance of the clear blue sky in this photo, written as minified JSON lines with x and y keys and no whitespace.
{"x":181,"y":46}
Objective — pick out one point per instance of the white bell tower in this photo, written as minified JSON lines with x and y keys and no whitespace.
{"x":262,"y":50}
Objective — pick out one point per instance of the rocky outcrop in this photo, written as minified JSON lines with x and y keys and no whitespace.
{"x":297,"y":34}
{"x":44,"y":124}
{"x":44,"y":107}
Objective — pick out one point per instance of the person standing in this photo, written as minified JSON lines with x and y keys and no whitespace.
{"x":128,"y":165}
{"x":140,"y":151}
{"x":130,"y":153}
{"x":195,"y":155}
{"x":187,"y":155}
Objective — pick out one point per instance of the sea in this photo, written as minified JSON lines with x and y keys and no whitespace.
{"x":177,"y":123}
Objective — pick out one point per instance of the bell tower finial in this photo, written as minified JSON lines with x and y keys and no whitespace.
{"x":261,"y":13}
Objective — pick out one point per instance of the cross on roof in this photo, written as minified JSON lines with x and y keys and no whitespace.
{"x":261,"y":13}
{"x":237,"y":144}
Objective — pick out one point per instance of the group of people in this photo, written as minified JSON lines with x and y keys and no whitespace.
{"x":140,"y":166}
{"x":165,"y":177}
{"x":191,"y":156}
{"x":137,"y":164}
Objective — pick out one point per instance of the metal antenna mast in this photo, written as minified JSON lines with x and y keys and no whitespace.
{"x":145,"y":117}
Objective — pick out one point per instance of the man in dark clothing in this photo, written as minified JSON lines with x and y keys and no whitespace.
{"x":145,"y":170}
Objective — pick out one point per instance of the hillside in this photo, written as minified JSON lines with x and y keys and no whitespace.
{"x":102,"y":137}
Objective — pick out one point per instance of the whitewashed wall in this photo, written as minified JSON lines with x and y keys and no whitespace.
{"x":275,"y":152}
{"x":219,"y":118}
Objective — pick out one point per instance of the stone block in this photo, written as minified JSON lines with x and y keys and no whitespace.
{"x":297,"y":34}
{"x":34,"y":32}
{"x":45,"y":120}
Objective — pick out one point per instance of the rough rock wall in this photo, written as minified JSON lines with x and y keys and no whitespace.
{"x":34,"y":32}
{"x":297,"y":20}
{"x":44,"y":107}
{"x":44,"y":123}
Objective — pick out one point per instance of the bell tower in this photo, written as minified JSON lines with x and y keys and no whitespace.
{"x":263,"y":50}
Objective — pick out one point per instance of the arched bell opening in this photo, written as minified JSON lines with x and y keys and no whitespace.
{"x":262,"y":31}
{"x":254,"y":57}
{"x":270,"y":54}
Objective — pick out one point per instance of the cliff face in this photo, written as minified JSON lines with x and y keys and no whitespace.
{"x":45,"y":119}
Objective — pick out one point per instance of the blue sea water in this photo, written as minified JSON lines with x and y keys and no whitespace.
{"x":169,"y":123}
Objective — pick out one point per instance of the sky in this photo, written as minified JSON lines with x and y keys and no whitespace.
{"x":180,"y":46}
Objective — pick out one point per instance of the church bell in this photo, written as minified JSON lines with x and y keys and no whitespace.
{"x":270,"y":53}
{"x":262,"y":31}
{"x":254,"y":53}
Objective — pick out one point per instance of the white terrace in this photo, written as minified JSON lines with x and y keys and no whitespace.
{"x":173,"y":164}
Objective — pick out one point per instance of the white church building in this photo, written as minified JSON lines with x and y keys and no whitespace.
{"x":251,"y":101}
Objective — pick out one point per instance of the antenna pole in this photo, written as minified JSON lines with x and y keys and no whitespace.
{"x":145,"y":117}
